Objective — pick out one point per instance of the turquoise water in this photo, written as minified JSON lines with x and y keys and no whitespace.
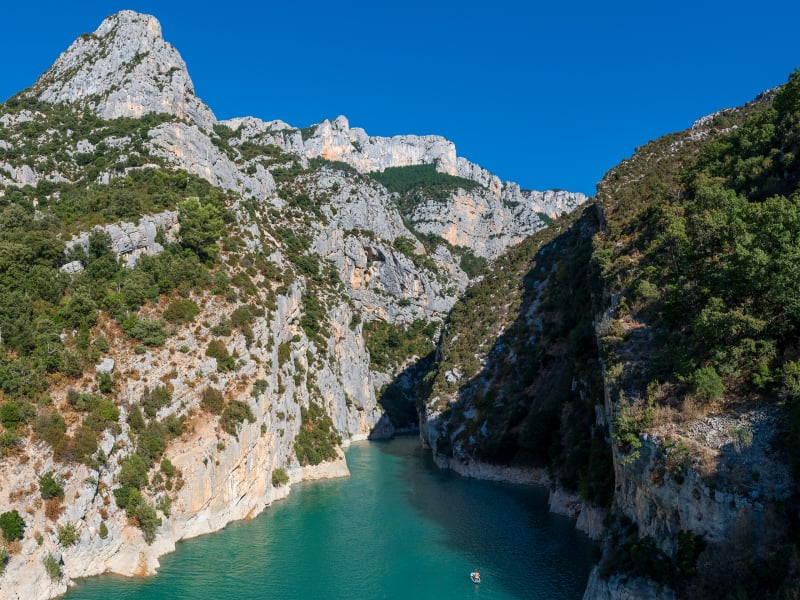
{"x":397,"y":528}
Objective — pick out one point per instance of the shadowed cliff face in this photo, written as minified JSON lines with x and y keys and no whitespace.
{"x":670,"y":396}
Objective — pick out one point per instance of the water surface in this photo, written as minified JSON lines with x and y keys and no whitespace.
{"x":397,"y":528}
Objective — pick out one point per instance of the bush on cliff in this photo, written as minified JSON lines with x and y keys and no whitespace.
{"x":50,"y":487}
{"x":12,"y":525}
{"x":279,"y":477}
{"x":318,"y":439}
{"x":236,"y":413}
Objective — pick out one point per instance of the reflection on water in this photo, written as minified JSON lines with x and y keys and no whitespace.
{"x":397,"y":528}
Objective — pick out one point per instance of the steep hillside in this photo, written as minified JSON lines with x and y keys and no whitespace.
{"x":194,"y":315}
{"x":517,"y":375}
{"x":699,"y":343}
{"x":645,"y":356}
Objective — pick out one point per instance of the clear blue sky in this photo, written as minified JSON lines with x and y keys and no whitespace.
{"x":547,"y":94}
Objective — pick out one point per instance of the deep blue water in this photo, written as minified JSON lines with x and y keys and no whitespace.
{"x":397,"y":528}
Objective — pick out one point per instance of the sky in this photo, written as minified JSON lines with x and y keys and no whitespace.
{"x":549,"y":94}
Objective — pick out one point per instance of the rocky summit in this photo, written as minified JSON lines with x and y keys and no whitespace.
{"x":124,"y":69}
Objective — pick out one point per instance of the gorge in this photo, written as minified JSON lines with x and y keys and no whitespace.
{"x":197,"y":315}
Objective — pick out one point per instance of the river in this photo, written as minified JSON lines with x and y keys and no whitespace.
{"x":397,"y":528}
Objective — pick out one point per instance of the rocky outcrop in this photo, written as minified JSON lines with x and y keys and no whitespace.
{"x":129,"y":241}
{"x":480,"y":470}
{"x":188,"y":147}
{"x":487,"y":220}
{"x":124,"y":69}
{"x":662,"y":505}
{"x":335,"y":140}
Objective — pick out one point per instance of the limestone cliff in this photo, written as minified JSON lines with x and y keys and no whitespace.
{"x":488,"y":220}
{"x":311,"y":257}
{"x":124,"y":69}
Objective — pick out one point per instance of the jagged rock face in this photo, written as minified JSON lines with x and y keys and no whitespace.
{"x":190,"y":148}
{"x":487,"y":220}
{"x":662,"y":506}
{"x":131,"y":240}
{"x":124,"y":69}
{"x":367,"y":263}
{"x":488,"y":223}
{"x":337,"y":141}
{"x":622,"y":587}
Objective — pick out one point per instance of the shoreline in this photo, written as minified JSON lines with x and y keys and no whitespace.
{"x":588,"y":517}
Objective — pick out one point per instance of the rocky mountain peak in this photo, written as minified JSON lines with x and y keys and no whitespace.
{"x":124,"y":69}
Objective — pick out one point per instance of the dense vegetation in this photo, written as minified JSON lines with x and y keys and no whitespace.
{"x":392,"y":345}
{"x":318,"y":439}
{"x":81,"y":146}
{"x":710,"y":260}
{"x":701,"y":253}
{"x":402,"y":180}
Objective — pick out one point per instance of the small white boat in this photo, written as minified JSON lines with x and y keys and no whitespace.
{"x":475,"y":577}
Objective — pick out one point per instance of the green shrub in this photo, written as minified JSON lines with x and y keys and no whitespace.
{"x":284,"y":352}
{"x":130,"y":499}
{"x":259,"y":387}
{"x":3,"y":558}
{"x":52,"y":566}
{"x":236,"y":413}
{"x":51,"y":428}
{"x":314,"y":320}
{"x":212,"y":401}
{"x":217,"y":350}
{"x":150,"y":333}
{"x":471,"y":264}
{"x":10,"y":414}
{"x":105,"y":383}
{"x":50,"y":487}
{"x":317,"y":440}
{"x":133,"y":472}
{"x":8,"y":439}
{"x":645,"y":290}
{"x":101,"y":344}
{"x":67,"y":536}
{"x":147,"y":519}
{"x":164,"y":504}
{"x":167,"y":468}
{"x":279,"y":477}
{"x":103,"y":531}
{"x":136,"y":419}
{"x":791,"y":379}
{"x":126,"y":496}
{"x":630,"y":423}
{"x":12,"y":525}
{"x":690,"y":545}
{"x":707,"y":384}
{"x":155,"y":399}
{"x":151,"y":443}
{"x":181,"y":310}
{"x":201,"y":227}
